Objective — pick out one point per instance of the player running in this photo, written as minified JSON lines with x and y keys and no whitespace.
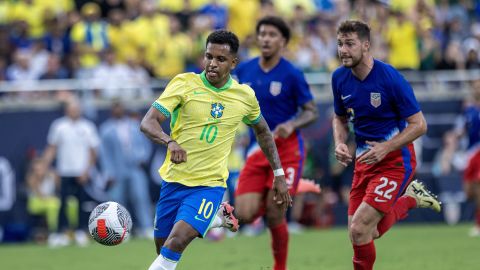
{"x":206,"y":110}
{"x":287,"y":105}
{"x":386,"y":120}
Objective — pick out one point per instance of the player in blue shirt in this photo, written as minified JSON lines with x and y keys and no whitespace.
{"x":470,"y":126}
{"x":287,"y":105}
{"x":386,"y":120}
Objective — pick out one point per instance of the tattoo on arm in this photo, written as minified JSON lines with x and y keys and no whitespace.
{"x":267,"y":144}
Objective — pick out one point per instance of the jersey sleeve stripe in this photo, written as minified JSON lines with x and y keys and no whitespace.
{"x":252,"y":122}
{"x":162,"y":109}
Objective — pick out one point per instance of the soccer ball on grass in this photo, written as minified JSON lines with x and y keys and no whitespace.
{"x":110,"y":223}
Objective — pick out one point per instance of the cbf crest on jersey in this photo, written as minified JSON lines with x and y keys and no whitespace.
{"x":275,"y":88}
{"x":375,"y":99}
{"x":217,"y":110}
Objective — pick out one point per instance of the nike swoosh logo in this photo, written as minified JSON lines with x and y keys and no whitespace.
{"x":345,"y":97}
{"x":379,"y":200}
{"x":195,"y":92}
{"x":197,"y":218}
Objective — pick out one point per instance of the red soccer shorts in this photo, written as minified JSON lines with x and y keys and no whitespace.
{"x":472,"y":171}
{"x":257,"y":175}
{"x":381,"y":184}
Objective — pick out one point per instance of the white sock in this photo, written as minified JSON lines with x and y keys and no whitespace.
{"x":217,"y":222}
{"x":161,"y":263}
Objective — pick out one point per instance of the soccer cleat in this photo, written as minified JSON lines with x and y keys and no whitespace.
{"x":424,"y":198}
{"x":229,"y":220}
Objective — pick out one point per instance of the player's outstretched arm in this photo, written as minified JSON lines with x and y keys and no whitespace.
{"x":267,"y":144}
{"x":307,"y":116}
{"x":151,"y":127}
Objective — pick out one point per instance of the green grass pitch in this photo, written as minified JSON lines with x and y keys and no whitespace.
{"x":422,"y":247}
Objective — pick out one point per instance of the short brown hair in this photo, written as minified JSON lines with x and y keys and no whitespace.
{"x":353,"y":26}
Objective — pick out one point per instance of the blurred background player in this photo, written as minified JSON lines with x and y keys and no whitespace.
{"x":386,"y":119}
{"x":124,"y":153}
{"x":288,"y":105}
{"x":206,"y":111}
{"x":72,"y":141}
{"x":43,"y":184}
{"x":470,"y":126}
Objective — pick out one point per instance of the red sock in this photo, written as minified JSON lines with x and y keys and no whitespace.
{"x":477,"y":217}
{"x":399,"y":211}
{"x":364,"y":256}
{"x":280,"y":245}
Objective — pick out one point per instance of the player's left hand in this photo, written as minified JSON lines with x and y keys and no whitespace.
{"x":284,"y":130}
{"x":375,"y":154}
{"x":280,"y":189}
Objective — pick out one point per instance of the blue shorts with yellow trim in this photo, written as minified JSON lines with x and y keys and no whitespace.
{"x":196,"y":206}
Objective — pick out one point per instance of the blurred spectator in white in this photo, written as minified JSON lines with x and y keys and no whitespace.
{"x":111,"y":76}
{"x":124,"y":154}
{"x":217,"y":12}
{"x":43,"y":185}
{"x":447,"y":167}
{"x":38,"y":58}
{"x":89,"y":37}
{"x":54,"y":69}
{"x":20,"y":69}
{"x":140,"y":78}
{"x":72,"y":141}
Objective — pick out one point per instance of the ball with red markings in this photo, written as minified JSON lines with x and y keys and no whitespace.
{"x":110,"y":223}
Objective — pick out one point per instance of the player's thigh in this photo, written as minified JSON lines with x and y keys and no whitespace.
{"x":476,"y":192}
{"x":247,"y":205}
{"x":200,"y":207}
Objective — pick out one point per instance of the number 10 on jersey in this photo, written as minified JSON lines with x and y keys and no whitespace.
{"x":209,"y":133}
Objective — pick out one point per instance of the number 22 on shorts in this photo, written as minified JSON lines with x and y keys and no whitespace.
{"x":390,"y":185}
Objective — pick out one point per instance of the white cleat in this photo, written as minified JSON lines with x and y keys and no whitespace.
{"x":424,"y":198}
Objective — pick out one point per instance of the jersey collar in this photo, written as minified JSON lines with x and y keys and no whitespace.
{"x":213,"y":88}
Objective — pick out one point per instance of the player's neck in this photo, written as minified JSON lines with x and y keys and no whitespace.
{"x":268,"y":63}
{"x":362,"y":70}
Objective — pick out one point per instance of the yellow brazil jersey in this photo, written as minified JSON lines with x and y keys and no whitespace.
{"x":204,"y":120}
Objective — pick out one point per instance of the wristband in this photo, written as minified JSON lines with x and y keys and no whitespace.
{"x":278,"y":172}
{"x":169,"y":142}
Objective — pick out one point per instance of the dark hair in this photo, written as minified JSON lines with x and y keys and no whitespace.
{"x":278,"y":23}
{"x":224,"y":37}
{"x":352,"y":26}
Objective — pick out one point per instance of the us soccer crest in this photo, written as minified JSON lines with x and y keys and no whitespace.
{"x":275,"y":88}
{"x":375,"y":99}
{"x":217,"y":110}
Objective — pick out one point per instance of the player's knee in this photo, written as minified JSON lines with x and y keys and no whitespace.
{"x":357,"y":231}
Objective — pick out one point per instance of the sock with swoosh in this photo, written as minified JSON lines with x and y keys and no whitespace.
{"x":398,"y":212}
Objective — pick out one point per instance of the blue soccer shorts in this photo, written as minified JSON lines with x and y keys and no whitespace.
{"x":196,"y":206}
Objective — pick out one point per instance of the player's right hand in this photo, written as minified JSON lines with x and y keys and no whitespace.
{"x":342,"y":154}
{"x":177,"y":153}
{"x":281,"y":195}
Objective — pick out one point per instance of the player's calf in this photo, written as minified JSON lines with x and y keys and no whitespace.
{"x":424,"y":198}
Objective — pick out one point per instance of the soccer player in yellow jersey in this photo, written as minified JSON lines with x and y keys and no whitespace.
{"x":205,"y":110}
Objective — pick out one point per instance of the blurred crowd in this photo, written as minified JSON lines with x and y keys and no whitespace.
{"x":141,"y":39}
